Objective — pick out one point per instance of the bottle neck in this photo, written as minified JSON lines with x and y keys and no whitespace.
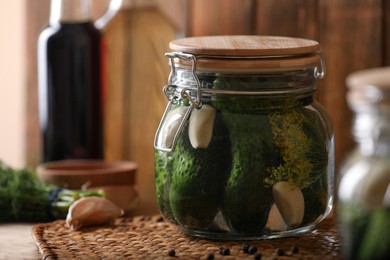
{"x":69,"y":11}
{"x":371,"y":131}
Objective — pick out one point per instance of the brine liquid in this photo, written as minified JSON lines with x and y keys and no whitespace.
{"x":70,"y":106}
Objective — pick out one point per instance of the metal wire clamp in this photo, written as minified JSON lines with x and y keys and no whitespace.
{"x":320,"y":74}
{"x":170,"y":91}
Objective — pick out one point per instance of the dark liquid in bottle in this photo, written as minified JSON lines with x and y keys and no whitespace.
{"x":70,"y":105}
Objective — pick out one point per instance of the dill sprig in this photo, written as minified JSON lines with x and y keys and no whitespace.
{"x":293,"y":145}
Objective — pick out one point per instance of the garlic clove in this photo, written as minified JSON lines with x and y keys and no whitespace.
{"x":91,"y":211}
{"x":170,"y":126}
{"x":275,"y":221}
{"x":290,"y":202}
{"x":201,"y":126}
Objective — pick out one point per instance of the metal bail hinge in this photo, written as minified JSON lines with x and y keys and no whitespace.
{"x":184,"y":93}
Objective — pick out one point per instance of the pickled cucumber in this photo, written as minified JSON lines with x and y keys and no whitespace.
{"x":198,"y":177}
{"x":247,"y":199}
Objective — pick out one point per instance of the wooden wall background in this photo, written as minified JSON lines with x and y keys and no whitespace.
{"x":354,"y":35}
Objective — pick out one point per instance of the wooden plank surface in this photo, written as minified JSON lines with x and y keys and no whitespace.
{"x":297,"y":18}
{"x":37,"y":13}
{"x":300,"y":18}
{"x":220,"y":17}
{"x":147,"y":73}
{"x":351,"y":40}
{"x":16,"y":242}
{"x":386,"y":33}
{"x":114,"y":50}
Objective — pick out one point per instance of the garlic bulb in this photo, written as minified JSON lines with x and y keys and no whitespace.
{"x":91,"y":211}
{"x":200,"y":129}
{"x":290,"y":202}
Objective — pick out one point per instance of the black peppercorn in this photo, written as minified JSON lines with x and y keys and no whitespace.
{"x":252,"y":250}
{"x":224,"y":251}
{"x":295,"y":249}
{"x":279,"y":251}
{"x":171,"y":252}
{"x":257,"y":256}
{"x":210,"y":256}
{"x":245,"y":248}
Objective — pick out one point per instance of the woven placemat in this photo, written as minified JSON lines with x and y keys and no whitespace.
{"x":150,"y":237}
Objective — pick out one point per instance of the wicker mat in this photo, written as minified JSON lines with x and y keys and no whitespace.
{"x":152,"y":238}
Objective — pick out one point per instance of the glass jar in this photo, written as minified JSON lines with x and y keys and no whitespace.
{"x":364,"y":188}
{"x":243,"y":151}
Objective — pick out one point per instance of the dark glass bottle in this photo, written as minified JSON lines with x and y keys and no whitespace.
{"x":69,"y":75}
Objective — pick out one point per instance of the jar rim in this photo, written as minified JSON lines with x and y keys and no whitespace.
{"x":250,"y":64}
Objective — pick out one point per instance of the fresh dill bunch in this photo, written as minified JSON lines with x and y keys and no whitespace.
{"x":293,"y":145}
{"x":23,"y":197}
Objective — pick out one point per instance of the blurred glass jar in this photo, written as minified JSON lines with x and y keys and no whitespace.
{"x":364,"y":188}
{"x":243,"y":151}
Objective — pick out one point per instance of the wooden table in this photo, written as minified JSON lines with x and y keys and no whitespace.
{"x":16,"y":242}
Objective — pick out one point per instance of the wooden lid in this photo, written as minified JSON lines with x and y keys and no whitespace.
{"x":244,"y":45}
{"x":376,"y":77}
{"x":271,"y":51}
{"x":369,"y":87}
